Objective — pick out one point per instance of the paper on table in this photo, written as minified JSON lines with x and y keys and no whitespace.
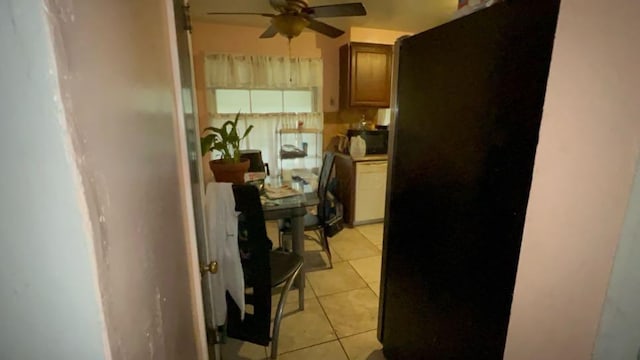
{"x":280,"y":192}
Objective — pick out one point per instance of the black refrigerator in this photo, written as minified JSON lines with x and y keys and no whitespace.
{"x":467,"y":102}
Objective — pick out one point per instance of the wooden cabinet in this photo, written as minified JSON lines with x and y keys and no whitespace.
{"x":365,"y":75}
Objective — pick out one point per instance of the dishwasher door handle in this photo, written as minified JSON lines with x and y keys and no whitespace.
{"x":369,"y":167}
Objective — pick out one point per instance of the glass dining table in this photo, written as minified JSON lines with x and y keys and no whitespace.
{"x":293,"y":208}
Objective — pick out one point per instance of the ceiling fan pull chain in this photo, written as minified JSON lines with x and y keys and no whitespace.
{"x":290,"y":60}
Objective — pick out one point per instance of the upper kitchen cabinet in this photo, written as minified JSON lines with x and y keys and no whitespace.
{"x":365,"y":75}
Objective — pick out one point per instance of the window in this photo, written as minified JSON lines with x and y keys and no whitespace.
{"x":271,"y":93}
{"x":230,"y":101}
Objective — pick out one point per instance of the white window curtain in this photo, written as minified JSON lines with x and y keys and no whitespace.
{"x":262,"y":72}
{"x":225,"y":71}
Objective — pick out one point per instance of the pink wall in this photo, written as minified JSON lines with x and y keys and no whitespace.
{"x":589,"y":142}
{"x":117,"y":84}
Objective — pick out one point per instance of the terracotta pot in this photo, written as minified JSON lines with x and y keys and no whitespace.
{"x":226,"y":171}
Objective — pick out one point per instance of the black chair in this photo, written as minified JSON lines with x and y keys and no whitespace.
{"x":264,"y":269}
{"x":327,"y":221}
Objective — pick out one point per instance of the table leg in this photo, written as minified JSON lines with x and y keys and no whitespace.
{"x":297,"y":240}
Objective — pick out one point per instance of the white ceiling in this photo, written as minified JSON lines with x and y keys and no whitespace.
{"x":402,"y":15}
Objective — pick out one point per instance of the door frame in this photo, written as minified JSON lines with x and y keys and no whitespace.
{"x":185,"y":183}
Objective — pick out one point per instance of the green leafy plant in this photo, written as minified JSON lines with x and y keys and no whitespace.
{"x":225,"y":140}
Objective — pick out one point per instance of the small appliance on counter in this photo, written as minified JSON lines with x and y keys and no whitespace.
{"x":384,"y":118}
{"x":376,"y":140}
{"x":357,"y":146}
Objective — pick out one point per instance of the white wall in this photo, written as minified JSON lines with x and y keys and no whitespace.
{"x":49,"y":302}
{"x":619,"y":331}
{"x":118,"y":86}
{"x":589,"y":144}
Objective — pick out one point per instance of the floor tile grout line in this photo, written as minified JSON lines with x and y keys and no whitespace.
{"x":310,"y":346}
{"x":374,"y":292}
{"x":356,"y":270}
{"x":340,"y":339}
{"x":327,"y":315}
{"x":366,"y":237}
{"x":360,"y":333}
{"x":333,"y":330}
{"x":378,"y":253}
{"x":332,"y":327}
{"x":344,"y":349}
{"x":342,"y":292}
{"x":348,"y":261}
{"x":332,"y":294}
{"x":318,"y":297}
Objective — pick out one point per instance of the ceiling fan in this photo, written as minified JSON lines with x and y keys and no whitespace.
{"x":295,"y":15}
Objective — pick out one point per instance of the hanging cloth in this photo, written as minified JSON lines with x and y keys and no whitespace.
{"x":222,"y":234}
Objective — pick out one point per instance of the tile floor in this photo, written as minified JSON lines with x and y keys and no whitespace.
{"x":341,"y":304}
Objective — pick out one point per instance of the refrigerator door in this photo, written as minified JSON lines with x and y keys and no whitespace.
{"x":463,"y":137}
{"x":393,"y":111}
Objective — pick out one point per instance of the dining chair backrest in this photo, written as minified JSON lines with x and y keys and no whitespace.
{"x":323,"y":183}
{"x":255,"y":247}
{"x":264,"y":269}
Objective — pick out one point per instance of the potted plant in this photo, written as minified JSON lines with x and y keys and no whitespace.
{"x":230,"y":167}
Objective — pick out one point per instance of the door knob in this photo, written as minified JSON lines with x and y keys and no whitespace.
{"x":212,"y":267}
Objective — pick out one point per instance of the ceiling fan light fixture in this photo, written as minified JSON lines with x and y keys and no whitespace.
{"x":289,"y":25}
{"x":296,"y":15}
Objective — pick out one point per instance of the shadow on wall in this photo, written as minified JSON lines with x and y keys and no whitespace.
{"x":619,"y":329}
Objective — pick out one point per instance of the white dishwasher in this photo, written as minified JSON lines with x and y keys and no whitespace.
{"x":370,"y":191}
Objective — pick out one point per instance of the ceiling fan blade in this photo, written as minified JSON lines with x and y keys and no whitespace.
{"x":324,"y":29}
{"x":240,"y":13}
{"x":269,"y":33}
{"x":352,"y":9}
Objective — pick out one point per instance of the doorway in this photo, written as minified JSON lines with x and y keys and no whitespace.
{"x":342,"y":303}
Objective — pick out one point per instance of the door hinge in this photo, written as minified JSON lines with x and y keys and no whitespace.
{"x":186,"y":9}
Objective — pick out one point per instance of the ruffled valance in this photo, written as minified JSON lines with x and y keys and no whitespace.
{"x":261,"y":72}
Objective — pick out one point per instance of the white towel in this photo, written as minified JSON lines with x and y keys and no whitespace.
{"x":222,"y":234}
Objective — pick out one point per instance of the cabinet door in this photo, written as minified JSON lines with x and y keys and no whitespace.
{"x":369,"y":75}
{"x":371,"y":187}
